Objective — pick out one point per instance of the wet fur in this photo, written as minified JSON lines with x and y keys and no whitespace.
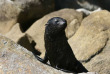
{"x":58,"y":51}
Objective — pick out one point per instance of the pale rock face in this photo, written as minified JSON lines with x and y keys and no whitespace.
{"x":15,"y":59}
{"x":91,"y":43}
{"x":22,"y":11}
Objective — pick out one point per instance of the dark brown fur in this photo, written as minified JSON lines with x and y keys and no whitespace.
{"x":59,"y":52}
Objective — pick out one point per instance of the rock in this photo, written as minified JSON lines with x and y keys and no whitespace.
{"x":32,"y":10}
{"x":15,"y":33}
{"x":18,"y":60}
{"x":8,"y":14}
{"x":36,"y":31}
{"x":86,"y":4}
{"x":89,"y":73}
{"x":24,"y":12}
{"x":21,"y":38}
{"x":15,"y":59}
{"x":91,"y":42}
{"x":28,"y":42}
{"x":100,"y":63}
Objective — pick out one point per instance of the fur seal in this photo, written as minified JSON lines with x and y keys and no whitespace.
{"x":58,"y":50}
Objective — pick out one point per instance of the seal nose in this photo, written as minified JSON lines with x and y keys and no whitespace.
{"x":62,"y":22}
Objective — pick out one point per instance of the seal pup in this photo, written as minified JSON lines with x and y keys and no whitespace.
{"x":58,"y":50}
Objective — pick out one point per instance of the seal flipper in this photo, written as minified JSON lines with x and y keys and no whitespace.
{"x":45,"y":60}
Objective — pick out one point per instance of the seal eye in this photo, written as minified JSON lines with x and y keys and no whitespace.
{"x":56,"y":21}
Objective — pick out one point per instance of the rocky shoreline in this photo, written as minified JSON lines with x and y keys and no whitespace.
{"x":23,"y":21}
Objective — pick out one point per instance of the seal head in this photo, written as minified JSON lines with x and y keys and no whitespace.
{"x":56,"y":25}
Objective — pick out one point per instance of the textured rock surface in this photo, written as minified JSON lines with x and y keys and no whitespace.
{"x":8,"y":14}
{"x":15,"y":33}
{"x":89,"y":73}
{"x":21,"y":38}
{"x":14,"y":59}
{"x":22,"y":11}
{"x":36,"y":31}
{"x":91,"y":42}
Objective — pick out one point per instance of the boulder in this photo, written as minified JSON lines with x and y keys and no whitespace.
{"x":24,"y":12}
{"x":89,"y":73}
{"x":36,"y":31}
{"x":15,"y":59}
{"x":15,"y":33}
{"x":21,"y":38}
{"x":8,"y":14}
{"x":31,"y":10}
{"x":91,"y":42}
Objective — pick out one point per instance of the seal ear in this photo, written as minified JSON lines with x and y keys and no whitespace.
{"x":46,"y":24}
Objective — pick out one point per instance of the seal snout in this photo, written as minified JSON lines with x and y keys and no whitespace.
{"x":62,"y":22}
